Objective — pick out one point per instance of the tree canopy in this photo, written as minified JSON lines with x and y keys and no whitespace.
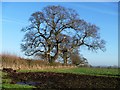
{"x":56,"y":32}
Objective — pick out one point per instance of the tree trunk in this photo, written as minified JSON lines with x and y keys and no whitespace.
{"x":57,"y":53}
{"x":65,"y":58}
{"x":48,"y":55}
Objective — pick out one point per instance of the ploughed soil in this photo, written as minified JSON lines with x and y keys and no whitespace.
{"x":63,"y":80}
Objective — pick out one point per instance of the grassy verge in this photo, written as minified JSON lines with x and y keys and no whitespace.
{"x":17,"y":86}
{"x":6,"y":83}
{"x":83,"y":70}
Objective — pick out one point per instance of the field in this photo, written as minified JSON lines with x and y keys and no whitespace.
{"x":62,"y":78}
{"x":81,"y":70}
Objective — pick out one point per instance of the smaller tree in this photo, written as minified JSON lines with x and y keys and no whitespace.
{"x":75,"y":57}
{"x":78,"y":59}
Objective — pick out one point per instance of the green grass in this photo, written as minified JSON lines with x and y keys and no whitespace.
{"x":16,"y":86}
{"x":2,"y":74}
{"x":6,"y":80}
{"x":83,"y":70}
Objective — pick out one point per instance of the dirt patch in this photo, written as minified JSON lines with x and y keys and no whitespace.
{"x":63,"y":80}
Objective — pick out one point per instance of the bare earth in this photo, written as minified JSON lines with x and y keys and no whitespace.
{"x":63,"y":80}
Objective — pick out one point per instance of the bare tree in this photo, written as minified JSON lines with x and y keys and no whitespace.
{"x":56,"y":30}
{"x":77,"y":59}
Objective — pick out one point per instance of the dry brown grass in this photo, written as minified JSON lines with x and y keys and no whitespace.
{"x":16,"y":63}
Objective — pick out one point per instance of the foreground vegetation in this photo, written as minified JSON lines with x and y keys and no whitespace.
{"x":7,"y":82}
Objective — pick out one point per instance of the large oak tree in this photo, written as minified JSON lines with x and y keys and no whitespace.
{"x":57,"y":31}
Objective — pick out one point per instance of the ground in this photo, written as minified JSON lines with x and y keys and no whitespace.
{"x":62,"y":80}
